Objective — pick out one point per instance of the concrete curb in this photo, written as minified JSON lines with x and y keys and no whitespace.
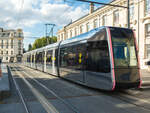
{"x":4,"y":83}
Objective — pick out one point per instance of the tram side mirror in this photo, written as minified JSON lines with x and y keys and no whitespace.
{"x":148,"y":63}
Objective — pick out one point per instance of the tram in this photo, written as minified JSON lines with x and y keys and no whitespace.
{"x":104,"y":58}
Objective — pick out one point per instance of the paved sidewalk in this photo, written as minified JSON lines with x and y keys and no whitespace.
{"x":4,"y":83}
{"x":145,"y":74}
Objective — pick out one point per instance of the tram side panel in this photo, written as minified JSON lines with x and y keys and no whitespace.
{"x":88,"y":64}
{"x":98,"y":63}
{"x":40,"y":61}
{"x":49,"y":61}
{"x":33,"y":61}
{"x":28,"y":60}
{"x":55,"y":61}
{"x":71,"y":62}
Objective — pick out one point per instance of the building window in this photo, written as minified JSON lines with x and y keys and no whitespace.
{"x":2,"y":44}
{"x":148,"y":50}
{"x":15,"y":34}
{"x":95,"y":23}
{"x":147,"y":29}
{"x":75,"y":31}
{"x":12,"y":34}
{"x":19,"y":52}
{"x":70,"y":33}
{"x":6,"y":58}
{"x":81,"y":29}
{"x":20,"y":34}
{"x":66,"y":35}
{"x":87,"y":27}
{"x":131,"y":11}
{"x":147,"y":6}
{"x":11,"y":52}
{"x":62,"y":37}
{"x":6,"y":52}
{"x":7,"y":44}
{"x":104,"y":20}
{"x":3,"y":34}
{"x":11,"y":43}
{"x":116,"y":17}
{"x":2,"y":52}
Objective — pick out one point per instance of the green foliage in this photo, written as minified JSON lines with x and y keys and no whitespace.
{"x":29,"y":47}
{"x":41,"y":42}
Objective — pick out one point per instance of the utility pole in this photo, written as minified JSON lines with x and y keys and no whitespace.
{"x":128,"y":13}
{"x":128,"y":7}
{"x":46,"y":31}
{"x":53,"y":25}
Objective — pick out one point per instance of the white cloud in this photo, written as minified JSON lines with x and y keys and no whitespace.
{"x":27,"y":34}
{"x":29,"y":13}
{"x":36,"y":11}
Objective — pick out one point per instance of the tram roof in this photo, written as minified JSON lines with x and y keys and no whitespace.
{"x":78,"y":38}
{"x":83,"y":36}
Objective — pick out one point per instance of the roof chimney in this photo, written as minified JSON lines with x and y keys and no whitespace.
{"x":91,"y":8}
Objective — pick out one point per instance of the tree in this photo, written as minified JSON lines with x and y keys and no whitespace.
{"x":41,"y":42}
{"x":24,"y":50}
{"x":29,"y":47}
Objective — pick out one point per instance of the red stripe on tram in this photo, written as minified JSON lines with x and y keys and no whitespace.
{"x":137,"y":49}
{"x":112,"y":59}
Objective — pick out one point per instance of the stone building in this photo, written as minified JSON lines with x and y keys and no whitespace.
{"x":11,"y":45}
{"x":115,"y":16}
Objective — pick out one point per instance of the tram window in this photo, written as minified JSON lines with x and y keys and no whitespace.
{"x":63,"y":57}
{"x":123,"y":47}
{"x":39,"y":57}
{"x":49,"y":57}
{"x":72,"y":57}
{"x":98,"y":56}
{"x":101,"y":35}
{"x":32,"y":58}
{"x":28,"y":58}
{"x":36,"y":58}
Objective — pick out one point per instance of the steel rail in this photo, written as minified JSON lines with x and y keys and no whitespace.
{"x":20,"y":94}
{"x":53,"y":93}
{"x":44,"y":102}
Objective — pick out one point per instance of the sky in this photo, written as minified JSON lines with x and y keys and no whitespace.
{"x":32,"y":15}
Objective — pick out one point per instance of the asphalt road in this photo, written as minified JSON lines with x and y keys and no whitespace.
{"x":43,"y":92}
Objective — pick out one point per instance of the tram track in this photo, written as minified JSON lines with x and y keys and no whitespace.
{"x":20,"y":95}
{"x":126,"y":96}
{"x":25,"y":75}
{"x":123,"y":95}
{"x":47,"y":108}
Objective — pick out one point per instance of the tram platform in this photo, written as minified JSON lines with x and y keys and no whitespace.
{"x":4,"y":82}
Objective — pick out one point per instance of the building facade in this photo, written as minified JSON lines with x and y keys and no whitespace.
{"x":115,"y":16}
{"x":11,"y":45}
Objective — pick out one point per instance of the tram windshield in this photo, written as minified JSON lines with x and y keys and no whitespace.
{"x":123,"y":47}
